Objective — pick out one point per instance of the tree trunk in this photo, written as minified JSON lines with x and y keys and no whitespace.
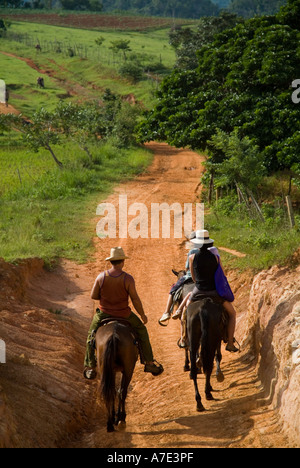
{"x":59,"y":163}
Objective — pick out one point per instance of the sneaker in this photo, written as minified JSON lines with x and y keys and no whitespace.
{"x":177,"y":314}
{"x":155,"y":368}
{"x":165,"y":318}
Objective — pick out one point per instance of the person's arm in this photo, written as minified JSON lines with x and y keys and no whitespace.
{"x":96,"y":291}
{"x":136,"y":301}
{"x":191,"y":260}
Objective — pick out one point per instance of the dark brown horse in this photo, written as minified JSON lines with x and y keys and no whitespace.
{"x":116,"y":352}
{"x":206,"y":330}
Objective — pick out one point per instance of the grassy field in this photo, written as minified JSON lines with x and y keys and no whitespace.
{"x":46,"y":212}
{"x":85,"y":75}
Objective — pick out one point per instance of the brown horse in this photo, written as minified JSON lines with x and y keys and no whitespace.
{"x":116,"y":352}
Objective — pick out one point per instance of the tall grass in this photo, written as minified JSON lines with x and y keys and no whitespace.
{"x":51,"y":216}
{"x":263,"y":243}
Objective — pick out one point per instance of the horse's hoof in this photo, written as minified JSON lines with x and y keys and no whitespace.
{"x":209,"y":397}
{"x":186,"y":369}
{"x":122,"y":426}
{"x":220,"y":377}
{"x":110,"y":429}
{"x":200,"y":408}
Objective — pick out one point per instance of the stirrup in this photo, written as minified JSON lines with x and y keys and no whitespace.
{"x":162,"y":323}
{"x":180,"y":345}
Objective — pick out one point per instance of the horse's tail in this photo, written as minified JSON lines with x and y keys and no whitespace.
{"x":209,"y":341}
{"x":107,"y":383}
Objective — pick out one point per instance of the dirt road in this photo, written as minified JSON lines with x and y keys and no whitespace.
{"x":161,"y":411}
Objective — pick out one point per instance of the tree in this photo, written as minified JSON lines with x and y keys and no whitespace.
{"x":99,"y":41}
{"x":250,"y":8}
{"x":93,"y":5}
{"x":242,"y":165}
{"x":243,"y":80}
{"x":187,"y":42}
{"x":39,"y":133}
{"x":121,"y":45}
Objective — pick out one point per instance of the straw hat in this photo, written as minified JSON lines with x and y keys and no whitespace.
{"x":117,"y":254}
{"x":202,"y":237}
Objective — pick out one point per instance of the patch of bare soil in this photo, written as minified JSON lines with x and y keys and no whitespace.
{"x":44,"y":319}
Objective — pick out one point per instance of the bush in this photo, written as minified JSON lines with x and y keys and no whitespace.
{"x":132,"y":71}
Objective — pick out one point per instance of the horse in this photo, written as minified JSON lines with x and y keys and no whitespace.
{"x":116,"y":352}
{"x":206,"y":329}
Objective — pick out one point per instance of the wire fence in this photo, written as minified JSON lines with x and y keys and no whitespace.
{"x":97,"y":55}
{"x":18,"y":175}
{"x":101,"y":55}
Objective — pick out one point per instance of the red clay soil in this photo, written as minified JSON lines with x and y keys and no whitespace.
{"x":44,"y":319}
{"x":93,"y":21}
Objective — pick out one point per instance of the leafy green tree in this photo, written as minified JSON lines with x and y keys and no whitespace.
{"x":250,"y":8}
{"x":242,"y":165}
{"x":37,"y":133}
{"x":243,"y":81}
{"x":99,"y":41}
{"x":121,"y":45}
{"x":132,"y":70}
{"x":187,"y":42}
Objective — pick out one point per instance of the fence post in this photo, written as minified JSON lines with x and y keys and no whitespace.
{"x":20,"y":179}
{"x":290,"y":210}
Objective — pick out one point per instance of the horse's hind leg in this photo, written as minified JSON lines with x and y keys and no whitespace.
{"x":111,"y":418}
{"x":121,"y":417}
{"x":219,"y":373}
{"x":193,"y":375}
{"x":208,"y":387}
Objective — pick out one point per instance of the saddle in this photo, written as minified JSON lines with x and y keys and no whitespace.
{"x":123,"y":321}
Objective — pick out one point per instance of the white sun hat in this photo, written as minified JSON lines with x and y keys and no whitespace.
{"x":202,"y":237}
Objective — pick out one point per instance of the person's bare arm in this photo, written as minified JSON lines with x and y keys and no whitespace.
{"x":136,"y":301}
{"x":96,"y":291}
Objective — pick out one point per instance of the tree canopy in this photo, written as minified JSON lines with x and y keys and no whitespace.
{"x":242,"y":82}
{"x":250,"y":8}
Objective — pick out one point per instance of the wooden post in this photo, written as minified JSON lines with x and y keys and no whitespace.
{"x":290,"y":210}
{"x":19,"y":175}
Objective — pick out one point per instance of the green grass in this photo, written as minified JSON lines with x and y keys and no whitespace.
{"x":86,"y":78}
{"x":265,"y":244}
{"x":44,"y":211}
{"x":24,"y":94}
{"x":50,"y":217}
